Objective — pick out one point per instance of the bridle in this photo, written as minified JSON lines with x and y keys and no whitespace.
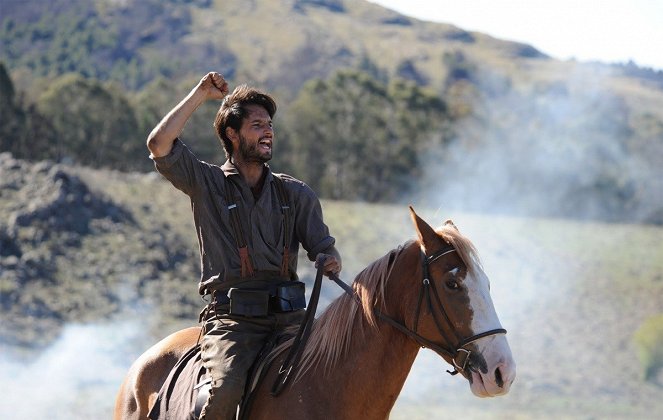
{"x":458,"y":353}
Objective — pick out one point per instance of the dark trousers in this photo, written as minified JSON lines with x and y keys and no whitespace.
{"x":229,"y":347}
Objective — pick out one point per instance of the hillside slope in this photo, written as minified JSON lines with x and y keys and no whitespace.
{"x":278,"y":44}
{"x":528,"y":134}
{"x":59,"y":259}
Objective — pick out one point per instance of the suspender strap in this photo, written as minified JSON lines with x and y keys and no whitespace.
{"x":285,"y":208}
{"x":247,"y":267}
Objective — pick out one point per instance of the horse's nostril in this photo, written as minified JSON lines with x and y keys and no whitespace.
{"x":498,"y":378}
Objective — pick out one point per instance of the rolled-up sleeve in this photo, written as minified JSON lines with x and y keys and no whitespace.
{"x":311,"y":230}
{"x":181,"y":167}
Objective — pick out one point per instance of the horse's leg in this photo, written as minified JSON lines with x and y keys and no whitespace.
{"x":126,"y":402}
{"x":148,"y":373}
{"x":138,"y":391}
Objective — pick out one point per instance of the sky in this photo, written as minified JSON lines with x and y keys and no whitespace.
{"x":611,"y":31}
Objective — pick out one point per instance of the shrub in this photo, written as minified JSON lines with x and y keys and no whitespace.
{"x":648,"y":340}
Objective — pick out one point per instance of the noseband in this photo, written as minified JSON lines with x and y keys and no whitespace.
{"x":459,"y":354}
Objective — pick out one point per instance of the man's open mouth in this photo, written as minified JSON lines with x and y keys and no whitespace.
{"x":265,"y":144}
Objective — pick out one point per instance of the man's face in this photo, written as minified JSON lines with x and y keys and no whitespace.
{"x":256,"y":136}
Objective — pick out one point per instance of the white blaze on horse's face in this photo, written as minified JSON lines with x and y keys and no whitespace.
{"x":500,"y":366}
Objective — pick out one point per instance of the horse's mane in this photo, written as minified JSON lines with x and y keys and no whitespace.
{"x":332,"y":333}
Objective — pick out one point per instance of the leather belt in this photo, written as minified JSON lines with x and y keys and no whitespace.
{"x":220,"y":298}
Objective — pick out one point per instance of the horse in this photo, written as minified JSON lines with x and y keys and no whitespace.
{"x":429,"y":292}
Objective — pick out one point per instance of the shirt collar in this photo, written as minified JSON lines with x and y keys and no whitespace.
{"x":229,"y":169}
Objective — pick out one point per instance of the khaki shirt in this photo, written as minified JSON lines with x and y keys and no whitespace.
{"x":261,"y":219}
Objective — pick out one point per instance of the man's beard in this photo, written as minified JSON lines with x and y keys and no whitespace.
{"x":250,"y":153}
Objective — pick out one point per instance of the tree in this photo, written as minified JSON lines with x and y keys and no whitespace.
{"x":95,"y":124}
{"x":11,"y":123}
{"x":648,"y":340}
{"x":356,"y":138}
{"x":24,"y":132}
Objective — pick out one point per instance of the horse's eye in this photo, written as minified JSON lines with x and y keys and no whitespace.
{"x":453,"y":285}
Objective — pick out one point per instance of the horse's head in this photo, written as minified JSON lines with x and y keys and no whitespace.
{"x":455,"y":315}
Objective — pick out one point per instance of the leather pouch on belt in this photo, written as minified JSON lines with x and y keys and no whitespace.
{"x":248,"y":302}
{"x":290,"y":296}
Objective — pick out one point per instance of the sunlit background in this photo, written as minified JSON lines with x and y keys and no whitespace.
{"x":536,"y":126}
{"x":592,"y":30}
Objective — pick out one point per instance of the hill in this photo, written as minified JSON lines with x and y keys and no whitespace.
{"x":97,"y":265}
{"x":56,"y":260}
{"x":522,"y":133}
{"x":277,"y":44}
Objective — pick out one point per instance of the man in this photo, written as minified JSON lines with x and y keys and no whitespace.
{"x":250,"y":224}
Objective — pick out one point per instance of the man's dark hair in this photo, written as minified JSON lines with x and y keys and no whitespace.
{"x":234,"y":109}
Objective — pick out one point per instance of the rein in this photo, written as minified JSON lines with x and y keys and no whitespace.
{"x":299,"y":342}
{"x":459,"y":355}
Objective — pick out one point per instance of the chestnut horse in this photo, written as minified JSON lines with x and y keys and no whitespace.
{"x":427,"y":293}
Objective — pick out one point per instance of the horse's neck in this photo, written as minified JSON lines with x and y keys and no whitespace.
{"x":374,"y":371}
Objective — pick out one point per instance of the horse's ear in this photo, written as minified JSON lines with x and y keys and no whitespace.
{"x":426,"y":234}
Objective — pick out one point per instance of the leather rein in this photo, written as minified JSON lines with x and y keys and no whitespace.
{"x":459,"y":355}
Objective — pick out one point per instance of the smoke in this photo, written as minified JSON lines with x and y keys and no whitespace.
{"x":523,"y":173}
{"x":563,"y":148}
{"x":77,"y":377}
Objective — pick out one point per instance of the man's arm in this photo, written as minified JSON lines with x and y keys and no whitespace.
{"x":161,"y":139}
{"x":333,"y":263}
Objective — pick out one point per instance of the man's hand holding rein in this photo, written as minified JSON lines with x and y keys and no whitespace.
{"x":331,"y":262}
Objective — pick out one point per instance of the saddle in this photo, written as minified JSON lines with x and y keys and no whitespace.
{"x":187,"y":388}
